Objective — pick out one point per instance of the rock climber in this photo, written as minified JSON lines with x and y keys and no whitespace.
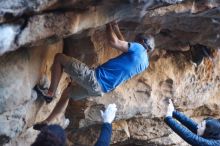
{"x":103,"y":79}
{"x":54,"y":135}
{"x":207,"y":133}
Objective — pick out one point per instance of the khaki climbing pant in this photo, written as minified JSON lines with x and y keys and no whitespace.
{"x":87,"y":84}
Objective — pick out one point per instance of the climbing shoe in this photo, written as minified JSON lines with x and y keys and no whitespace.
{"x":43,"y":93}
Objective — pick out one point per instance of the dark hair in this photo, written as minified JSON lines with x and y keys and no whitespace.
{"x":212,"y":130}
{"x":52,"y":135}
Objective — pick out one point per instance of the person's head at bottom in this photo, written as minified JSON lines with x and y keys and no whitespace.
{"x":209,"y":128}
{"x":52,"y":135}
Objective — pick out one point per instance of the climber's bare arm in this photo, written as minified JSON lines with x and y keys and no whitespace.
{"x":114,"y":41}
{"x":117,"y":31}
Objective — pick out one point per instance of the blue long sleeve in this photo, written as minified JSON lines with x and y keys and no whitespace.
{"x":188,"y":135}
{"x":105,"y":136}
{"x":186,"y":121}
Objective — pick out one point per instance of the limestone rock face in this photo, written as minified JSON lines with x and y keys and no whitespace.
{"x":39,"y":29}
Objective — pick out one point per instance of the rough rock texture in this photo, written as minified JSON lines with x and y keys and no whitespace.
{"x":141,"y":101}
{"x":20,"y":71}
{"x":35,"y":29}
{"x":61,"y":23}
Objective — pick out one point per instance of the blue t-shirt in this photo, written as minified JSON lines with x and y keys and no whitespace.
{"x":118,"y":70}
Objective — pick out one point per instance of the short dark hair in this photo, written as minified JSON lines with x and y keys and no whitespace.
{"x":212,"y":130}
{"x":52,"y":135}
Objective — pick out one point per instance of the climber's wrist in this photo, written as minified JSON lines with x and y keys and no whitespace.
{"x":169,"y":115}
{"x":107,"y":121}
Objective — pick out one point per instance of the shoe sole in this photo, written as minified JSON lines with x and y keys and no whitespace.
{"x":48,"y":99}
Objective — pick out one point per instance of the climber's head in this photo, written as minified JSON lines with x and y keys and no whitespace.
{"x":209,"y":128}
{"x":52,"y":135}
{"x":146,"y":41}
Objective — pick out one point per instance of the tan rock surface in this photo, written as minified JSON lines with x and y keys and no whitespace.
{"x":140,"y":101}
